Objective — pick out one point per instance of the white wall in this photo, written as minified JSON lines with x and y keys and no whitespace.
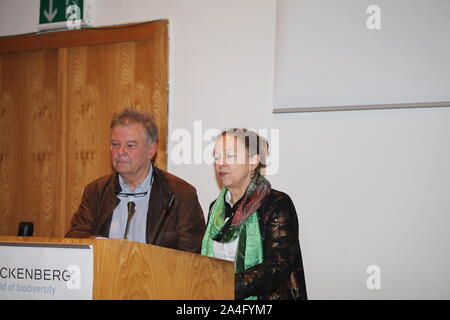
{"x":370,"y":187}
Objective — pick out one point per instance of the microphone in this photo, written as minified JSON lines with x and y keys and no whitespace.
{"x":25,"y":229}
{"x":130,"y":206}
{"x":161,"y":221}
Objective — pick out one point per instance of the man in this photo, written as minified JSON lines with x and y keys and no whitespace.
{"x":139,"y":202}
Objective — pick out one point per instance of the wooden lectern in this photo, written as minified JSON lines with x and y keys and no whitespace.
{"x":130,"y":270}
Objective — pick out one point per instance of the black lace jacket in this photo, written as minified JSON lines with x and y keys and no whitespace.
{"x":281,"y":275}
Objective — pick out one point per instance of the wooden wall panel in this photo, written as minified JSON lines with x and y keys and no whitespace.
{"x":55,"y":110}
{"x":102,"y":80}
{"x":41,"y":124}
{"x":8,"y":139}
{"x":30,"y":146}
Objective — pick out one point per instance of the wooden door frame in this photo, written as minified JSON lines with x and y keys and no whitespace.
{"x":83,"y":37}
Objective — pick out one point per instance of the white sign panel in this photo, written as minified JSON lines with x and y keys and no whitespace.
{"x":46,"y":271}
{"x":361,"y":54}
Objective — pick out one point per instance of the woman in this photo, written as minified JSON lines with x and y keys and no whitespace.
{"x":252,"y":224}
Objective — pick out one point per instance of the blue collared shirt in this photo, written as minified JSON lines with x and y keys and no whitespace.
{"x":138,"y":224}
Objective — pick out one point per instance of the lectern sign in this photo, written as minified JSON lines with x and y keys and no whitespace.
{"x":45,"y":271}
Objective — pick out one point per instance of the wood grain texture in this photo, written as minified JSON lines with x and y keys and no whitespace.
{"x":62,"y":94}
{"x":30,"y":119}
{"x":55,"y":110}
{"x":8,"y":137}
{"x":130,"y":270}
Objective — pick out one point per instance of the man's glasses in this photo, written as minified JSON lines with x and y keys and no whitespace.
{"x":137,"y":194}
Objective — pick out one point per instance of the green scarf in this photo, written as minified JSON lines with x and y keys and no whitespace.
{"x":243,"y":224}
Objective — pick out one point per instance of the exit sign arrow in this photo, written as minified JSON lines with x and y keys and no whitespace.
{"x":50,"y":14}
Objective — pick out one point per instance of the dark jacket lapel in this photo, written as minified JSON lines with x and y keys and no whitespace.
{"x":108,"y":204}
{"x":159,"y":199}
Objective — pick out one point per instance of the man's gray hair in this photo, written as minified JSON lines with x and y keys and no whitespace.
{"x":131,"y":116}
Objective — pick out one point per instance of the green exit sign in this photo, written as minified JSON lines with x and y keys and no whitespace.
{"x":60,"y":12}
